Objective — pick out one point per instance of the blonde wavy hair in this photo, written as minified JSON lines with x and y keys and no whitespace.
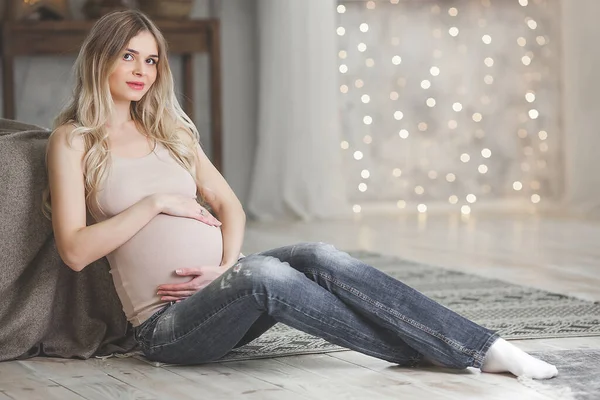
{"x":158,"y":114}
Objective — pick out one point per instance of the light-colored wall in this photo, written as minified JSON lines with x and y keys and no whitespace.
{"x":240,"y":86}
{"x":43,"y":85}
{"x":581,"y":105}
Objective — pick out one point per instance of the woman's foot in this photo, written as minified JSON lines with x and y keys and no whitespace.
{"x":505,"y":357}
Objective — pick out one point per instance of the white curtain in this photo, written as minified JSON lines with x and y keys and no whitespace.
{"x":297,"y":169}
{"x":581,"y":105}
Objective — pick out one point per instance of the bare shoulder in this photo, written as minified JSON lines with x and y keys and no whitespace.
{"x":61,"y":139}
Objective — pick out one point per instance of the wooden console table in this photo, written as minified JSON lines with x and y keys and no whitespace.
{"x":184,"y":37}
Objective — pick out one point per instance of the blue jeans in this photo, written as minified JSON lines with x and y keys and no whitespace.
{"x":318,"y":289}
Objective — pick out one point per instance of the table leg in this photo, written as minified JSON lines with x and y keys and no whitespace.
{"x":215,"y":96}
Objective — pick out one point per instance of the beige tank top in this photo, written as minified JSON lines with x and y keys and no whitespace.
{"x":166,"y":243}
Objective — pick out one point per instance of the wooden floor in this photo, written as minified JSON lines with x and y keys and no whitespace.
{"x":551,"y":253}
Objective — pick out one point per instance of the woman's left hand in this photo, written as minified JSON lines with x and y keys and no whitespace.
{"x":201,"y":277}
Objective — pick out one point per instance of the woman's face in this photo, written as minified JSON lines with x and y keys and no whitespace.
{"x":135,"y":70}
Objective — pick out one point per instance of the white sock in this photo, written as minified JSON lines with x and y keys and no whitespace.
{"x":506,"y":357}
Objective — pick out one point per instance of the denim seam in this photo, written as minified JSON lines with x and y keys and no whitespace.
{"x":480,"y":358}
{"x":411,"y":359}
{"x":473,"y":353}
{"x":347,"y":327}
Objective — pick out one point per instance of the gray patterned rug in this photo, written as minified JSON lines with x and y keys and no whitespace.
{"x":516,"y":312}
{"x":578,"y":375}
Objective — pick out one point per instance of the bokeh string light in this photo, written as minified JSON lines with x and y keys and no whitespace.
{"x":449,"y":103}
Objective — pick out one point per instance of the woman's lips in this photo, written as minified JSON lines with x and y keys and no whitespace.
{"x":135,"y":86}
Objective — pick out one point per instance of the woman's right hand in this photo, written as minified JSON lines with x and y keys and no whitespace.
{"x":179,"y":205}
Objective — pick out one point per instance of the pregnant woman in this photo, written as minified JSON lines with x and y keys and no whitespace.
{"x":124,"y":153}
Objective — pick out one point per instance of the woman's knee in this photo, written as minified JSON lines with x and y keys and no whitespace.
{"x":320,"y":254}
{"x":317,"y":250}
{"x":324,"y":258}
{"x":263,"y":270}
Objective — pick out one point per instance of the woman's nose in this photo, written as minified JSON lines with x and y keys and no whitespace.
{"x":138,"y":69}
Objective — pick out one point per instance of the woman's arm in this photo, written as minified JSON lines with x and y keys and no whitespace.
{"x":233,"y":218}
{"x":225,"y":204}
{"x":80,"y":245}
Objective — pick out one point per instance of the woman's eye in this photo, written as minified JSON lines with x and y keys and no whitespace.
{"x":129,"y":56}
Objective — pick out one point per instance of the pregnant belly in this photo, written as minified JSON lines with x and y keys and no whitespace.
{"x":151,"y":257}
